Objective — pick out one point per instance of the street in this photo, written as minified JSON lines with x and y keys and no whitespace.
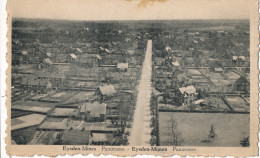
{"x":140,"y":133}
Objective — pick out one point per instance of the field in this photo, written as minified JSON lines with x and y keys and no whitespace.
{"x":32,"y":108}
{"x":27,"y":121}
{"x":229,"y":128}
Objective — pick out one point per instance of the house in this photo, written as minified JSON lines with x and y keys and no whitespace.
{"x":56,"y":79}
{"x":48,"y":54}
{"x":45,"y":63}
{"x":242,"y":84}
{"x":92,"y":112}
{"x":78,"y":51}
{"x":238,"y":59}
{"x":122,"y":66}
{"x":218,"y":69}
{"x":130,"y":51}
{"x":30,"y":84}
{"x":35,"y":85}
{"x":89,"y":60}
{"x":175,"y":63}
{"x":17,"y":60}
{"x":104,"y":51}
{"x":168,"y":49}
{"x":101,"y":139}
{"x":106,"y":91}
{"x":44,"y":86}
{"x":20,"y":58}
{"x":71,"y":58}
{"x":186,"y":95}
{"x":177,"y":70}
{"x":75,"y":137}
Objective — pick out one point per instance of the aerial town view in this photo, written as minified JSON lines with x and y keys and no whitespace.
{"x":120,"y":83}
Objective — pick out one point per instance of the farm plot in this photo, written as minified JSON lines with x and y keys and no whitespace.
{"x":59,"y":96}
{"x":33,"y":103}
{"x":79,"y":97}
{"x":64,"y":112}
{"x":26,"y":121}
{"x":216,"y":103}
{"x":55,"y":124}
{"x":192,"y":129}
{"x":232,"y":76}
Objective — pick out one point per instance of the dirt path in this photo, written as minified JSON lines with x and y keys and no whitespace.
{"x":140,"y":133}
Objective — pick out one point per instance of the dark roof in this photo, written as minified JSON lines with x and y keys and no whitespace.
{"x":84,"y":58}
{"x":75,"y":137}
{"x":51,"y":75}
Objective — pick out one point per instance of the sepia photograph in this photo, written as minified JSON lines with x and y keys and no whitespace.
{"x":130,"y":82}
{"x":148,"y":84}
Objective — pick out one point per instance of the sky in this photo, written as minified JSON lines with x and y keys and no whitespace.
{"x":129,"y":9}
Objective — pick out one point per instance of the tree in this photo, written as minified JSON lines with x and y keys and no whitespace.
{"x":175,"y":133}
{"x":200,"y":93}
{"x":245,"y":142}
{"x":212,"y":135}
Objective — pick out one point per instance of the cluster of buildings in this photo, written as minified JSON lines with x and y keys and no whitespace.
{"x":90,"y":73}
{"x":188,"y":72}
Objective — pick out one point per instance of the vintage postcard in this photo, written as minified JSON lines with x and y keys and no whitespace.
{"x":132,"y":77}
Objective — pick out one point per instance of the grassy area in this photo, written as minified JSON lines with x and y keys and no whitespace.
{"x":194,"y":128}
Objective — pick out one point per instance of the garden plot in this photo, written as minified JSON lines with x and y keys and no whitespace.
{"x":194,"y":72}
{"x":64,"y":112}
{"x":79,"y":97}
{"x":55,"y":124}
{"x":216,"y":103}
{"x":238,"y":104}
{"x":232,"y":76}
{"x":215,"y":76}
{"x":59,"y":96}
{"x":193,"y":128}
{"x":38,"y":109}
{"x":220,"y":82}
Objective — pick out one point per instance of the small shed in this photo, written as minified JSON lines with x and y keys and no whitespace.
{"x":71,"y":58}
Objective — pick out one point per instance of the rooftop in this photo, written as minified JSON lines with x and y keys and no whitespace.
{"x":188,"y":90}
{"x":107,"y":90}
{"x":75,"y":137}
{"x":95,"y":109}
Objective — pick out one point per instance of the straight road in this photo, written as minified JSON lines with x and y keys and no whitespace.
{"x":140,"y":132}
